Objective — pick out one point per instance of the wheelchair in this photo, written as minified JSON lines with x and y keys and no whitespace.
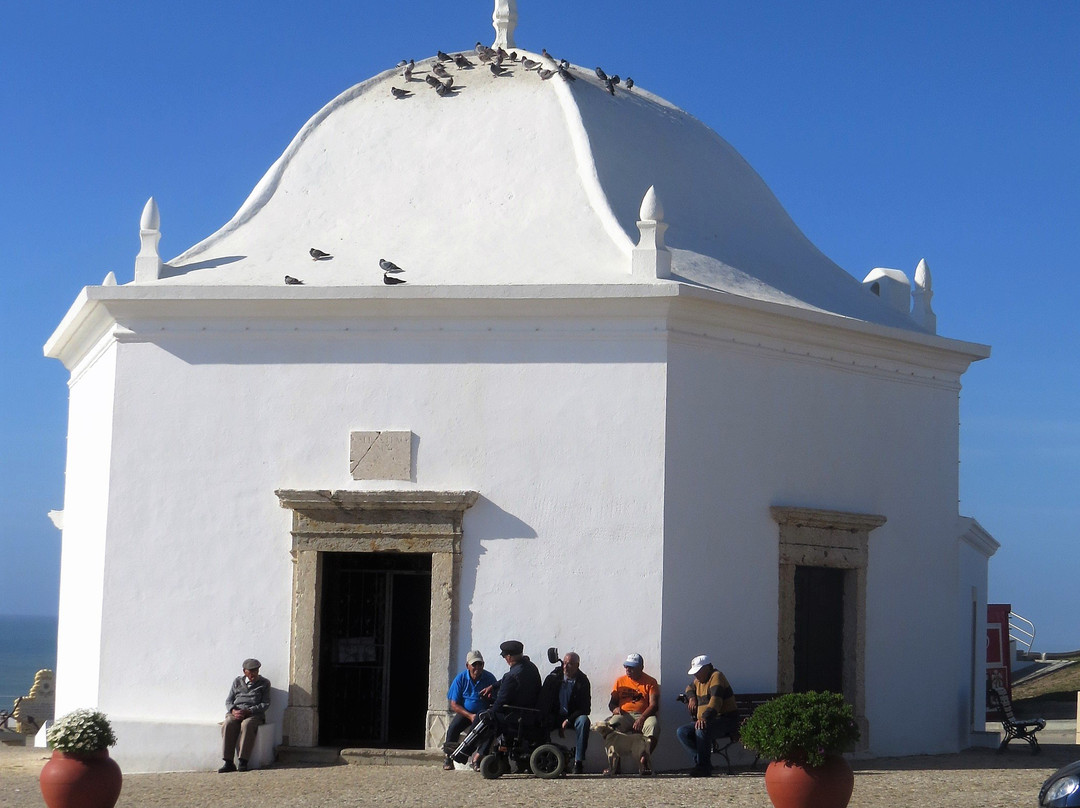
{"x":518,"y":742}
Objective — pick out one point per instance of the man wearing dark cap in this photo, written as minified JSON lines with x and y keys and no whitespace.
{"x":520,"y":686}
{"x":246,"y":706}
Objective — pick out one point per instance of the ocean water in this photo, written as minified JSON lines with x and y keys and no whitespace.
{"x":27,"y":644}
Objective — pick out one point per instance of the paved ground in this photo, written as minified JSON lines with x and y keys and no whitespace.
{"x":977,"y":778}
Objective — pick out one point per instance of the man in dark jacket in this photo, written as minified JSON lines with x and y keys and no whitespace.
{"x":520,"y":686}
{"x":565,"y":704}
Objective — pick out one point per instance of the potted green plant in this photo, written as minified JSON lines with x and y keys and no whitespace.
{"x":805,"y":734}
{"x":80,"y":773}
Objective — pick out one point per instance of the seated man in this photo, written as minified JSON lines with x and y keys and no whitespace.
{"x":565,"y":703}
{"x":635,"y":701}
{"x":711,"y":702}
{"x":519,"y":687}
{"x":246,"y":706}
{"x":467,"y":700}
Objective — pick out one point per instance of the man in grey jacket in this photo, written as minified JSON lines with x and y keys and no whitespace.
{"x":246,"y":706}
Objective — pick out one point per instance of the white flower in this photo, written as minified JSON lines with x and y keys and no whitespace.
{"x":81,"y":731}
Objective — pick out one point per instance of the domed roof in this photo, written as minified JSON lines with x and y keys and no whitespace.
{"x":515,"y":179}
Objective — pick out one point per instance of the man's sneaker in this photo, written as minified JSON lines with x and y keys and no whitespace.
{"x":228,"y":767}
{"x":579,"y":767}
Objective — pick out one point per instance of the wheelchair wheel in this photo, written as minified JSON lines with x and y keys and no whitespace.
{"x":547,"y":761}
{"x":490,"y":767}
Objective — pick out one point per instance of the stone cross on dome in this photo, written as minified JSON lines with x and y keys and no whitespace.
{"x":504,"y":21}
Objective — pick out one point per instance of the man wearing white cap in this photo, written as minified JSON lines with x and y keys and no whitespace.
{"x":635,"y":700}
{"x":467,"y":700}
{"x":711,"y":702}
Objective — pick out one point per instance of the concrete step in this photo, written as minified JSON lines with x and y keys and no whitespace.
{"x":331,"y":756}
{"x":309,"y":756}
{"x":391,"y":757}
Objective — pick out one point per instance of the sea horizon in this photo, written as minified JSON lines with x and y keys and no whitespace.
{"x":27,"y":645}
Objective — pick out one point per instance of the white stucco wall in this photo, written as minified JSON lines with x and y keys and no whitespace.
{"x":750,"y":427}
{"x":619,"y":447}
{"x":974,"y":547}
{"x":82,"y":559}
{"x":560,"y":431}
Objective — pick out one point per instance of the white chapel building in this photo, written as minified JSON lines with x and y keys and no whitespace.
{"x":619,"y":403}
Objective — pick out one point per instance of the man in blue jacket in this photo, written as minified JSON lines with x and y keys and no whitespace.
{"x":467,"y":700}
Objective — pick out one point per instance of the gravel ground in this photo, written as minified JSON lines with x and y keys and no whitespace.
{"x":977,"y":778}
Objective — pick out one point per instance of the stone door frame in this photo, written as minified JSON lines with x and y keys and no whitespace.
{"x":426,"y":522}
{"x":813,"y":537}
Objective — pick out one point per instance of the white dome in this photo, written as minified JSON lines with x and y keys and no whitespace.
{"x":515,"y":180}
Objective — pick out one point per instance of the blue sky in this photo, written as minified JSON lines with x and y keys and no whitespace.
{"x":890,"y":132}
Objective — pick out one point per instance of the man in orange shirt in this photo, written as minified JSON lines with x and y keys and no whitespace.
{"x":635,"y":700}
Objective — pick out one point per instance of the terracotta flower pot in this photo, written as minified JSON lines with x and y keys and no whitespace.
{"x":81,"y":780}
{"x":791,"y":785}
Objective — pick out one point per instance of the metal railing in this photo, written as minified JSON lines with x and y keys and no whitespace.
{"x":1021,"y":630}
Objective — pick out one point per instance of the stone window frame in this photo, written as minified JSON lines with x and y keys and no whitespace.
{"x":428,"y":522}
{"x":816,"y":537}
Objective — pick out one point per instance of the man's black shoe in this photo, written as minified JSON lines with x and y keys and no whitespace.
{"x":228,"y":767}
{"x":243,"y":767}
{"x":579,"y":767}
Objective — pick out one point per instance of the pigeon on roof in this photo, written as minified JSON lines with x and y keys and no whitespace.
{"x":319,"y":255}
{"x":389,"y":266}
{"x":291,"y":281}
{"x":399,"y":93}
{"x":390,"y":280}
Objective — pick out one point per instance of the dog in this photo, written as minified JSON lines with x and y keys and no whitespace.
{"x":619,"y":745}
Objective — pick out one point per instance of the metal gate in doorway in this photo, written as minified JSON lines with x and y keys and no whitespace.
{"x":374,"y":648}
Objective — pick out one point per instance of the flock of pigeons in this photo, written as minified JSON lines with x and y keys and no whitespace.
{"x":389,"y":268}
{"x":497,"y":61}
{"x":442,"y":82}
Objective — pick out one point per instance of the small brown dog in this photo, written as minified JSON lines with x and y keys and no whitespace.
{"x":619,"y":745}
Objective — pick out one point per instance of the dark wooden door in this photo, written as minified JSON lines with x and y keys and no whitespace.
{"x":819,"y":629}
{"x":374,"y":647}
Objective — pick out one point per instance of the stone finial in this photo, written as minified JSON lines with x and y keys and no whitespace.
{"x":651,"y":209}
{"x":504,"y":21}
{"x":148,"y":262}
{"x":651,"y":259}
{"x":921,"y":294}
{"x":109,"y":280}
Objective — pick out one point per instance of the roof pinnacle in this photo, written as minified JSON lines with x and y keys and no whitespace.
{"x":504,"y":21}
{"x":148,"y":261}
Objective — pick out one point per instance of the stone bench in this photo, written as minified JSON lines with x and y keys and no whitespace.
{"x":154,"y":745}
